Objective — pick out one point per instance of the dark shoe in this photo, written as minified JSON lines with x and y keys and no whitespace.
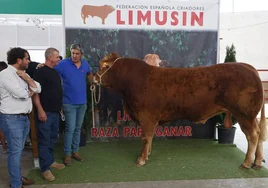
{"x":20,"y":187}
{"x":77,"y":157}
{"x":26,"y":181}
{"x":68,"y":160}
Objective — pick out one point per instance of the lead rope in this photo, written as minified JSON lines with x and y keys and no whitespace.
{"x":94,"y":100}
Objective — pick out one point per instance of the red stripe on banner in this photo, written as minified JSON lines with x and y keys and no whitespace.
{"x":262,"y":69}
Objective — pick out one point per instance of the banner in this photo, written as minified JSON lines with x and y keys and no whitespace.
{"x":179,"y":33}
{"x":175,"y":15}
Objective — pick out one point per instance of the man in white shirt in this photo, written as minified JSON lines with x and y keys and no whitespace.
{"x":16,"y":90}
{"x":3,"y":66}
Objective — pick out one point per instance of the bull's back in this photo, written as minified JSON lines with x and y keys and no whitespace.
{"x":217,"y":78}
{"x":194,"y":92}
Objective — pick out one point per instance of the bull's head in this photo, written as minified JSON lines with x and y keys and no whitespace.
{"x":108,"y":9}
{"x":106,"y":64}
{"x":152,"y":59}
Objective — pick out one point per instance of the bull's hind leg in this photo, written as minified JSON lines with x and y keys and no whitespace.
{"x":259,"y":152}
{"x":251,"y":130}
{"x":147,"y":137}
{"x":262,"y":137}
{"x":258,"y":156}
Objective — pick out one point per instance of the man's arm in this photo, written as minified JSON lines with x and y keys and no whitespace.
{"x":14,"y":88}
{"x":42,"y":116}
{"x":34,"y":86}
{"x":90,"y":78}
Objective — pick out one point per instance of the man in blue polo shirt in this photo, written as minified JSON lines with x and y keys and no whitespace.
{"x":73,"y":72}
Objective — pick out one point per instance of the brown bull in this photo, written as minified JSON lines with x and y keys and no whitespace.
{"x":154,"y":95}
{"x":100,"y":11}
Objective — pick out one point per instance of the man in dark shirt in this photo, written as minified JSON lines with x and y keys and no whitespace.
{"x":48,"y":104}
{"x":32,"y":68}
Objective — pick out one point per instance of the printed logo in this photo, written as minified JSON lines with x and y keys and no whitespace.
{"x":100,"y":11}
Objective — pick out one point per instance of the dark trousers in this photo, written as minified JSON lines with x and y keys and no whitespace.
{"x":47,"y":138}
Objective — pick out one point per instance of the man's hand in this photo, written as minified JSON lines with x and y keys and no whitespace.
{"x":31,"y":93}
{"x":23,"y":75}
{"x":40,"y":65}
{"x":35,"y":86}
{"x":42,"y":116}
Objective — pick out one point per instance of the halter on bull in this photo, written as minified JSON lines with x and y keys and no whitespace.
{"x":154,"y":95}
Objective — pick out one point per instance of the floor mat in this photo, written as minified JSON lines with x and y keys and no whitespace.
{"x":178,"y":159}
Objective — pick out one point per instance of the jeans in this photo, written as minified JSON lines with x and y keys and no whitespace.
{"x":47,"y":138}
{"x":74,"y":115}
{"x":16,"y":128}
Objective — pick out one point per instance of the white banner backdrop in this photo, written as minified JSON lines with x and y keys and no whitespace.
{"x":181,"y":33}
{"x":171,"y":15}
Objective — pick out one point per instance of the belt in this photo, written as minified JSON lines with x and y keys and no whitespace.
{"x":22,"y":114}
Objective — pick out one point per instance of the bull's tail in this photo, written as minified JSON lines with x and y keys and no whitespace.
{"x":263,"y":126}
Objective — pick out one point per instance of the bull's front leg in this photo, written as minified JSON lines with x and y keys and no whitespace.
{"x":147,"y":137}
{"x":84,"y":18}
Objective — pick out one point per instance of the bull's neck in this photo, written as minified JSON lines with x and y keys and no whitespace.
{"x":129,"y":73}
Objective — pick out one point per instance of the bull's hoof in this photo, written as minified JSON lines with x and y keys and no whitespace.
{"x":140,"y":162}
{"x":256,"y":167}
{"x":263,"y":161}
{"x":244,"y":166}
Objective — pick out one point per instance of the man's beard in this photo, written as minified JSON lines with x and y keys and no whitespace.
{"x":23,"y":67}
